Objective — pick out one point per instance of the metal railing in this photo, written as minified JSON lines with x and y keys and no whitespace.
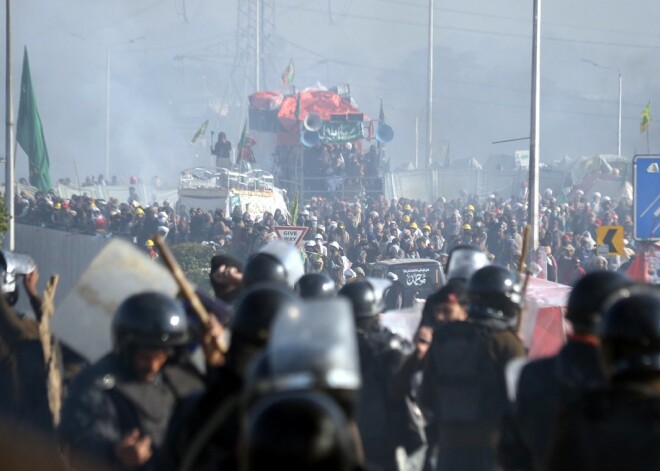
{"x":217,"y":177}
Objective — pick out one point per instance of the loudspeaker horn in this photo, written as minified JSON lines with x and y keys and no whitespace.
{"x":309,"y":138}
{"x":313,"y":122}
{"x":384,"y":133}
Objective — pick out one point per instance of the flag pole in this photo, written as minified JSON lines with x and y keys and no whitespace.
{"x":9,"y":138}
{"x":533,"y":184}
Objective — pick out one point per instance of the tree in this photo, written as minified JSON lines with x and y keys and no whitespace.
{"x":195,"y":261}
{"x":4,"y":218}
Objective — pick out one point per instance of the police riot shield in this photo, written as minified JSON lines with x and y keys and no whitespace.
{"x":83,"y":319}
{"x":464,"y":261}
{"x":289,"y":256}
{"x":315,"y":348}
{"x":14,"y":264}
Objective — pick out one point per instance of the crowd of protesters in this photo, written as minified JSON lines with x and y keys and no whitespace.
{"x":311,"y":381}
{"x":361,"y":232}
{"x":328,"y":168}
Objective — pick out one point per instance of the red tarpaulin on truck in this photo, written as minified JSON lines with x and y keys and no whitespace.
{"x":266,"y":100}
{"x":321,"y":102}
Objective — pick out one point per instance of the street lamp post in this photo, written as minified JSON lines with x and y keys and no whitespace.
{"x":429,"y":91}
{"x":534,"y":133}
{"x":618,"y":71}
{"x":9,"y":137}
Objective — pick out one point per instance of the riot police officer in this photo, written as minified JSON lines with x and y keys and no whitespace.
{"x":309,"y":352}
{"x":548,"y":384}
{"x":383,"y":416}
{"x":204,"y":431}
{"x":464,"y":383}
{"x":618,"y":427}
{"x":118,"y":408}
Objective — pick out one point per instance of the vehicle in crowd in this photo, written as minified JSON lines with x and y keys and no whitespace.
{"x":415,"y":278}
{"x":212,"y":188}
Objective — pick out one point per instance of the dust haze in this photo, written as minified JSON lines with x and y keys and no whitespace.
{"x":167,"y":66}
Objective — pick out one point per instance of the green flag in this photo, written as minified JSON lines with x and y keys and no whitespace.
{"x":646,"y":118}
{"x":245,"y":144}
{"x":200,"y":131}
{"x":288,"y":74}
{"x":30,"y":133}
{"x":294,"y":210}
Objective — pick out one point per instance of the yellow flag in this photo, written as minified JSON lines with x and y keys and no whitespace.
{"x":200,"y":131}
{"x":646,"y":118}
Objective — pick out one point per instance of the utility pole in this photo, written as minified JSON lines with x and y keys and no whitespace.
{"x":533,"y":187}
{"x":107,"y":114}
{"x":9,"y":137}
{"x":257,"y":47}
{"x":416,"y":142}
{"x":429,"y":100}
{"x":254,"y":28}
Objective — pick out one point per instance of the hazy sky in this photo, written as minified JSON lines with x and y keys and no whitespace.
{"x":173,"y":65}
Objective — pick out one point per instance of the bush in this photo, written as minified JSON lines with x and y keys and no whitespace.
{"x":4,"y":218}
{"x":195,"y":261}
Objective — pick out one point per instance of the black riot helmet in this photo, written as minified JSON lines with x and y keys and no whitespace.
{"x":495,"y":292}
{"x":255,"y":311}
{"x":585,"y":303}
{"x":277,"y":261}
{"x":315,"y":285}
{"x":297,"y":430}
{"x":263,"y":268}
{"x":631,"y":334}
{"x":367,"y":296}
{"x":151,"y":320}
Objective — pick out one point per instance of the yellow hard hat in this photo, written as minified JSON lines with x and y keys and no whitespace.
{"x":405,"y":218}
{"x":413,"y":225}
{"x":149,"y":243}
{"x":58,"y":206}
{"x":427,"y":227}
{"x":470,"y":207}
{"x":407,"y":207}
{"x":140,"y":211}
{"x":467,"y":227}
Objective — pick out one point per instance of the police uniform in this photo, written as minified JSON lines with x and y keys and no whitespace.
{"x":545,"y":386}
{"x":383,"y":417}
{"x":464,"y":386}
{"x":618,"y":427}
{"x":111,"y":399}
{"x":107,"y":402}
{"x":614,"y":429}
{"x":205,"y":429}
{"x":549,"y":384}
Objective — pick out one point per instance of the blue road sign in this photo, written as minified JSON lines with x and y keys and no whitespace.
{"x":646,"y":187}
